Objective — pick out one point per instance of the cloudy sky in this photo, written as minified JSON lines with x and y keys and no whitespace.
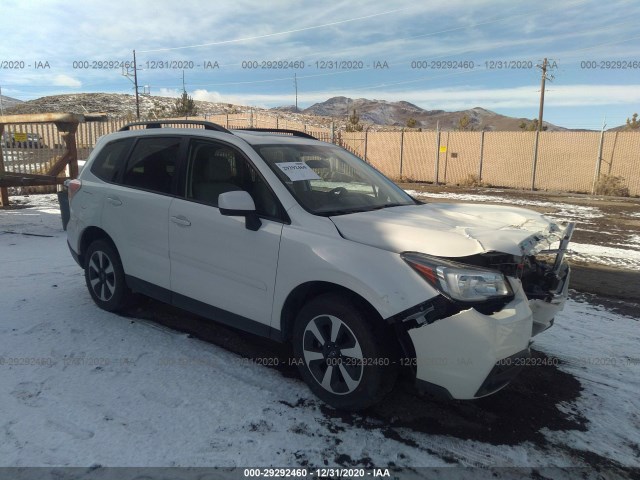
{"x":439,"y":55}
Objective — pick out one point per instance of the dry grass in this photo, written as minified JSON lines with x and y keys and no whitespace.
{"x":611,"y":185}
{"x":472,"y":180}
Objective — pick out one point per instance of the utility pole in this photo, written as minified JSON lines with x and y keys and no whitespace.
{"x":127,"y":73}
{"x":184,"y":97}
{"x":544,"y":67}
{"x":1,"y":107}
{"x":295,"y":83}
{"x":135,"y":82}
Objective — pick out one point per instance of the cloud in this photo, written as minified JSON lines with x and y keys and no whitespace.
{"x":458,"y":98}
{"x":62,"y":80}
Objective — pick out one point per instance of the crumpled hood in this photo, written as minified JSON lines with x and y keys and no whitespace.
{"x":450,"y":229}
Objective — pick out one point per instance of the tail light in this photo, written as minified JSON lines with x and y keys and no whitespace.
{"x":73,"y":186}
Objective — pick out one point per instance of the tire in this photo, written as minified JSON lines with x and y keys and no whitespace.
{"x":105,"y":279}
{"x":357,"y":368}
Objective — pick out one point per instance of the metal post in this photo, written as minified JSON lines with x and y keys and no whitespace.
{"x":535,"y":161}
{"x":437,"y":166}
{"x":4,"y":193}
{"x":227,"y":120}
{"x":481,"y":155}
{"x":401,"y":150}
{"x":277,"y":121}
{"x":333,"y":132}
{"x":596,"y":176}
{"x":446,"y":159}
{"x":366,"y":135}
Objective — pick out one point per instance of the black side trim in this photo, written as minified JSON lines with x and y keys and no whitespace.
{"x":434,"y":309}
{"x":503,"y":372}
{"x":427,"y":387}
{"x":75,"y":256}
{"x":203,"y":309}
{"x":440,"y":307}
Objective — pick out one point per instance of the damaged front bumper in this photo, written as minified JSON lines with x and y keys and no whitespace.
{"x":472,"y":354}
{"x":457,"y":354}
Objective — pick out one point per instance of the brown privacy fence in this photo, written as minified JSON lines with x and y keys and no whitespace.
{"x":561,"y":161}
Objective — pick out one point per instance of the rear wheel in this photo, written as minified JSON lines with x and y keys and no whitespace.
{"x":343,"y":354}
{"x":104,"y":275}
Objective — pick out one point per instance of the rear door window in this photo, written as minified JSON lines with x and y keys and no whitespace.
{"x":110,"y":161}
{"x":152,"y":164}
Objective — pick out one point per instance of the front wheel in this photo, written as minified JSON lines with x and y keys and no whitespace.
{"x":104,"y":275}
{"x":343,"y":355}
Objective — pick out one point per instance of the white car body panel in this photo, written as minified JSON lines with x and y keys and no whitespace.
{"x":458,"y":352}
{"x":449,"y":230}
{"x":138,"y":223}
{"x":316,"y":252}
{"x":216,"y":260}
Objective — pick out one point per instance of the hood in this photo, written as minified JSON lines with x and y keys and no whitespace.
{"x":450,"y":229}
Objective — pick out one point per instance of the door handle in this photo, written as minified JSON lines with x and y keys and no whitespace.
{"x":114,"y":201}
{"x":180,"y":220}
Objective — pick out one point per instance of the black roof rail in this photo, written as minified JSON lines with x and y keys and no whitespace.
{"x":159,"y":123}
{"x":295,"y":133}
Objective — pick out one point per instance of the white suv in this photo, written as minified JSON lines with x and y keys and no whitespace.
{"x":281,"y":235}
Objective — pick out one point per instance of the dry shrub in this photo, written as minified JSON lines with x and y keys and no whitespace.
{"x":611,"y":185}
{"x":471,"y":180}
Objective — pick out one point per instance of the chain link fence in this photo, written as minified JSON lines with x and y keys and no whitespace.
{"x":559,"y":161}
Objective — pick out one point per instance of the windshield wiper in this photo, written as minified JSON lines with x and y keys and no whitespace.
{"x":345,"y":211}
{"x":387,"y":205}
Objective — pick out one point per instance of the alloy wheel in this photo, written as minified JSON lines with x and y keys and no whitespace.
{"x":102,"y":276}
{"x":333,"y":354}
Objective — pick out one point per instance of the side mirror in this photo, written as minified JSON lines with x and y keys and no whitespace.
{"x":240,"y":204}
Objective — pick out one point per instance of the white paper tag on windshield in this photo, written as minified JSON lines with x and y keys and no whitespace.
{"x":297,"y":171}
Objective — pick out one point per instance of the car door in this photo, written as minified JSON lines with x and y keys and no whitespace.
{"x":136,"y":210}
{"x":219,"y":268}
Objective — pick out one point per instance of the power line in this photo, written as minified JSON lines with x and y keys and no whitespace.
{"x":446,"y":55}
{"x":257,"y":37}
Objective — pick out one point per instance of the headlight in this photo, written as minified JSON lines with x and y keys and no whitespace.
{"x":457,"y":281}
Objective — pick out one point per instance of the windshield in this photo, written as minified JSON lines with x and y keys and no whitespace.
{"x":327,"y":180}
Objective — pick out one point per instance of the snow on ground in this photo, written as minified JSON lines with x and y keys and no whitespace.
{"x":615,"y":257}
{"x":628,"y":257}
{"x":81,"y":386}
{"x":567,"y":212}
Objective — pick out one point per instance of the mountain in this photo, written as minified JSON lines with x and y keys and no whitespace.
{"x":286,"y":109}
{"x":8,"y":102}
{"x":115,"y":104}
{"x":378,"y":114}
{"x":382,"y":112}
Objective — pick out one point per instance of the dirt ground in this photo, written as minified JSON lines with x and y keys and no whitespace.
{"x":614,"y":227}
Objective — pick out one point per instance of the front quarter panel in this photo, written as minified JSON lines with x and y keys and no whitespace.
{"x":379,"y":276}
